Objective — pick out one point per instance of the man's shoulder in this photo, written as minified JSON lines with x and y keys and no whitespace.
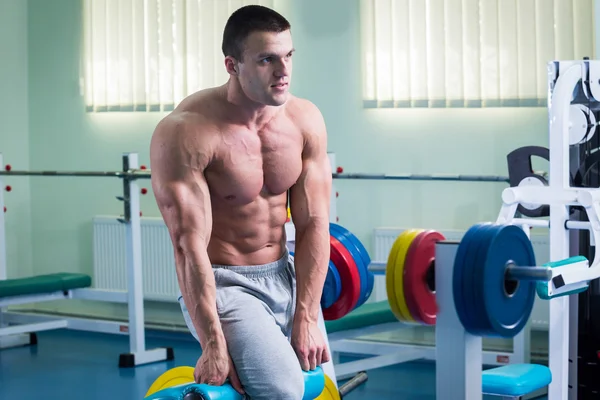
{"x":193,"y":116}
{"x":302,"y":107}
{"x":307,"y":115}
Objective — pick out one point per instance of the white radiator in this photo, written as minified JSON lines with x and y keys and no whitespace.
{"x":158,"y":263}
{"x":383,"y":239}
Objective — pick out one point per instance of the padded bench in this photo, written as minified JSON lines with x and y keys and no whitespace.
{"x":32,"y":290}
{"x":44,"y":284}
{"x":367,"y":315}
{"x":515,"y":380}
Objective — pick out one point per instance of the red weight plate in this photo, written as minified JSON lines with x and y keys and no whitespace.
{"x":419,"y":277}
{"x":350,"y":278}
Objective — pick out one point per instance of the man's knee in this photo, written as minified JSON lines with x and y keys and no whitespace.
{"x":282,"y":386}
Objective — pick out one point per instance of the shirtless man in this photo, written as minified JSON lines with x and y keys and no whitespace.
{"x":223,"y":164}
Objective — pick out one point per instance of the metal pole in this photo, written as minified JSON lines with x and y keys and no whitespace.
{"x":353,"y":383}
{"x":513,"y":272}
{"x":146,"y":174}
{"x":3,"y":265}
{"x":413,"y":177}
{"x":135,"y":289}
{"x":131,"y":174}
{"x":3,"y":258}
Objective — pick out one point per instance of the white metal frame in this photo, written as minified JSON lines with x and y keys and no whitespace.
{"x":563,"y":77}
{"x":20,"y":323}
{"x":384,"y":354}
{"x":458,"y":353}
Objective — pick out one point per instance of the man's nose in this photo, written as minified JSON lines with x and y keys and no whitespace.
{"x":283,"y":68}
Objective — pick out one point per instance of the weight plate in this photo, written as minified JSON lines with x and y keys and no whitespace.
{"x":402,"y":245}
{"x":330,"y":391}
{"x":533,"y":180}
{"x":508,"y":308}
{"x":480,"y":321}
{"x":173,"y":377}
{"x":390,"y":272}
{"x":364,"y":254}
{"x":582,"y":124}
{"x":340,"y":234}
{"x":578,"y":124}
{"x":419,"y":277}
{"x":350,"y":281}
{"x":461,"y":279}
{"x":332,"y":288}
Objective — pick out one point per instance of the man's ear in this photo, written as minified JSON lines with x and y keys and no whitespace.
{"x":231,"y":65}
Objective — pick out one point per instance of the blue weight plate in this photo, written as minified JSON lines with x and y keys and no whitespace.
{"x":508,"y":312}
{"x":472,"y":284}
{"x":481,"y":325}
{"x":461,"y":275}
{"x":332,"y":288}
{"x":338,"y":232}
{"x":364,"y":254}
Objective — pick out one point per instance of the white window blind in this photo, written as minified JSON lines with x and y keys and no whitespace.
{"x":468,"y":53}
{"x":147,"y":55}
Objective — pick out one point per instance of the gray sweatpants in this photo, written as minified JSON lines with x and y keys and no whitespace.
{"x":256,"y":307}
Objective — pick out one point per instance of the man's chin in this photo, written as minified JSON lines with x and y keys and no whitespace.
{"x":279,"y":99}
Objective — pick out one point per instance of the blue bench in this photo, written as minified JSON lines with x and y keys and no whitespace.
{"x":515,"y":380}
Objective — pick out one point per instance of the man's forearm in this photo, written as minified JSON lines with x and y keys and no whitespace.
{"x":199,"y":292}
{"x":311,"y":259}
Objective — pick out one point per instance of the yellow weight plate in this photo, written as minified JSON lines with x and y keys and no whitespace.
{"x":399,"y":275}
{"x":173,"y":377}
{"x":390,"y":273}
{"x":394,"y":274}
{"x":330,"y":392}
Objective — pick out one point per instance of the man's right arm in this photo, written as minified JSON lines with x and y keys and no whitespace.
{"x":183,"y":198}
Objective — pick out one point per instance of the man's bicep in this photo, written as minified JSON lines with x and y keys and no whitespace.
{"x":186,"y":209}
{"x":181,"y":192}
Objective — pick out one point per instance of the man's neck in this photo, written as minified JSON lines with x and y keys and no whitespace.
{"x":252,"y":114}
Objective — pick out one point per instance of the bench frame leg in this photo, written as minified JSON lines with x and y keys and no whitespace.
{"x":8,"y":342}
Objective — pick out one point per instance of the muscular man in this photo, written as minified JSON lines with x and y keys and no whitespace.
{"x":223,"y":165}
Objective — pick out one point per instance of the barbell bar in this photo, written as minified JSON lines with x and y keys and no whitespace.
{"x":421,"y":177}
{"x":137,"y":174}
{"x":513,"y":272}
{"x":146,"y":174}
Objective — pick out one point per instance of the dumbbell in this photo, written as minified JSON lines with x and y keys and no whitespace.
{"x":178,"y":384}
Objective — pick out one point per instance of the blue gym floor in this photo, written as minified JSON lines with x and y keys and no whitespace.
{"x":71,"y":364}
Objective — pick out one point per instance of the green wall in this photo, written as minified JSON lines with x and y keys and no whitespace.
{"x":326,"y":70}
{"x":14,"y":133}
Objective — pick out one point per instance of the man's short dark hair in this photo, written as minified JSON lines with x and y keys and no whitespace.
{"x":245,"y":20}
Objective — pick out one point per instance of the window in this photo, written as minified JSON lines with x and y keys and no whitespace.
{"x":468,"y":53}
{"x":147,"y":55}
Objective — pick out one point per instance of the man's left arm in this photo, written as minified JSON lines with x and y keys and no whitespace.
{"x":309,"y":205}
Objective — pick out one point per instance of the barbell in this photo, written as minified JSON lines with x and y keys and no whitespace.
{"x":494,"y":284}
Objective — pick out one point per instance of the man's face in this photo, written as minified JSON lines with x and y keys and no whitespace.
{"x":265,"y":72}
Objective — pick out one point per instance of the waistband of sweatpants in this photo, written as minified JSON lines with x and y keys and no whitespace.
{"x":258,"y":271}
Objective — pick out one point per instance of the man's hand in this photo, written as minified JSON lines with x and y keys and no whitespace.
{"x":309,"y":345}
{"x":214,"y":366}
